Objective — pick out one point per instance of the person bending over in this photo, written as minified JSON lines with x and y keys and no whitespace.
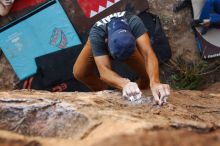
{"x":120,"y":36}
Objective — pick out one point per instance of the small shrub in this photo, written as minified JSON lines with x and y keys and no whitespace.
{"x":188,"y":75}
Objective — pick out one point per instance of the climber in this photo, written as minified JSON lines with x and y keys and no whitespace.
{"x":120,"y":36}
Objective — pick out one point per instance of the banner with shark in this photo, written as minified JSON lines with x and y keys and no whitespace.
{"x":95,"y":7}
{"x":84,"y":13}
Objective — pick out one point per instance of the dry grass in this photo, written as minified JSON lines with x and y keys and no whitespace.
{"x":182,"y":74}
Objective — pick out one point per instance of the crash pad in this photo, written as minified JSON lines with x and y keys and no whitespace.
{"x":208,"y":44}
{"x":47,"y":31}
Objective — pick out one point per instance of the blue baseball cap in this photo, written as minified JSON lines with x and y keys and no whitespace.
{"x":121,"y":42}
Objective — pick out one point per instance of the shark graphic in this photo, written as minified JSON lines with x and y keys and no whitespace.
{"x":93,"y":7}
{"x":58,"y":38}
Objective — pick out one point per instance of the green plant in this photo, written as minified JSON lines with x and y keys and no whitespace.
{"x":188,"y":75}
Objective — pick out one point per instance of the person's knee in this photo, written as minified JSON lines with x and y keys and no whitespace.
{"x":77,"y":74}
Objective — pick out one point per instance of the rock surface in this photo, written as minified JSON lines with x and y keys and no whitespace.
{"x":177,"y":27}
{"x":104,"y":118}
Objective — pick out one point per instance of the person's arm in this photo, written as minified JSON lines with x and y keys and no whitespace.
{"x":151,"y":62}
{"x":129,"y":89}
{"x":159,"y":91}
{"x":102,"y":60}
{"x":107,"y":75}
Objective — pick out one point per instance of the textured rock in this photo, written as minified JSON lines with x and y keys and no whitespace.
{"x":7,"y":75}
{"x":177,"y":27}
{"x":163,"y":138}
{"x":104,"y":118}
{"x":41,"y":117}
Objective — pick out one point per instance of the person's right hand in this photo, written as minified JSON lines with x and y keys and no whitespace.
{"x":161,"y":92}
{"x":131,"y":91}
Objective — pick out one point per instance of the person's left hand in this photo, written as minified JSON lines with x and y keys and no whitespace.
{"x":160,"y":92}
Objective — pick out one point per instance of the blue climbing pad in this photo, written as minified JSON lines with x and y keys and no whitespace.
{"x":47,"y":31}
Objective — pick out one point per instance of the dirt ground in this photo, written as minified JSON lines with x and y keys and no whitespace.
{"x":164,"y":138}
{"x":105,"y":118}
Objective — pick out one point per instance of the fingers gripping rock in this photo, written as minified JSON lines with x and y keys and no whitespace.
{"x":131,"y":92}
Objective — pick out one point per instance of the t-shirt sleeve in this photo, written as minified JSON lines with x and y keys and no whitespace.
{"x":97,"y":40}
{"x":137,"y":26}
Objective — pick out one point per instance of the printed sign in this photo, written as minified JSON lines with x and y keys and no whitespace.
{"x":93,"y":7}
{"x":37,"y":36}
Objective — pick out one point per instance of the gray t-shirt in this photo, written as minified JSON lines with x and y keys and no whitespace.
{"x":98,"y":33}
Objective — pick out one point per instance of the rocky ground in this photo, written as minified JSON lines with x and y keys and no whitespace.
{"x":104,"y":118}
